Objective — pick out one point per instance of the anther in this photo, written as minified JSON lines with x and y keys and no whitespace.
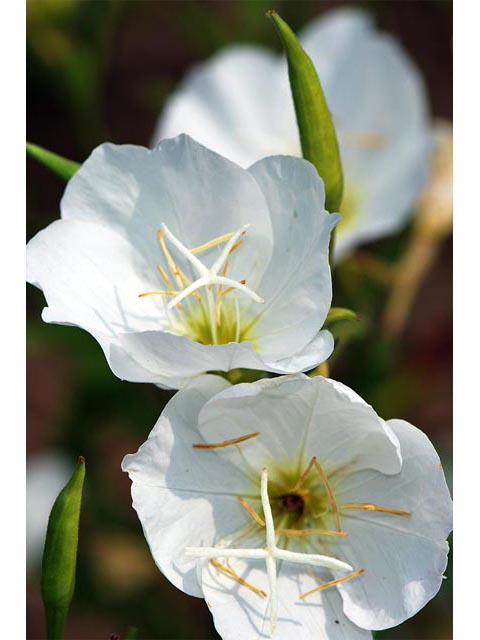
{"x":226,"y":443}
{"x":157,"y":293}
{"x":310,"y":532}
{"x":251,"y":511}
{"x":366,"y":506}
{"x":233,"y":574}
{"x":332,"y":583}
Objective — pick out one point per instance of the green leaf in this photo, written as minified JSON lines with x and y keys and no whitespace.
{"x":317,"y":132}
{"x":60,"y":553}
{"x":61,"y":166}
{"x":131,"y":633}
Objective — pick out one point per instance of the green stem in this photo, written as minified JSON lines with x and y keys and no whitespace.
{"x":55,"y":622}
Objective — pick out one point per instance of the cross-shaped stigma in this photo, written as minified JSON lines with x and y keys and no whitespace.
{"x":270,"y":553}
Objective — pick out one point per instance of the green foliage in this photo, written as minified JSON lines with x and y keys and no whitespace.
{"x":317,"y":132}
{"x":60,"y":553}
{"x":61,"y":166}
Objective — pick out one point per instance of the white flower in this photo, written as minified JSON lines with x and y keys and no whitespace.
{"x":292,"y":508}
{"x":239,"y":104}
{"x":153,"y":251}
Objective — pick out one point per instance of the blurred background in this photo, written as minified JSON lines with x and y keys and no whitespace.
{"x":100,"y":71}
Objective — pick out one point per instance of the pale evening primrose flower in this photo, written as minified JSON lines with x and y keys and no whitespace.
{"x":180,"y":262}
{"x":239,"y":104}
{"x":292,"y":508}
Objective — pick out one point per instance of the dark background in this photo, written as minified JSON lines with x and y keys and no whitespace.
{"x":100,"y":70}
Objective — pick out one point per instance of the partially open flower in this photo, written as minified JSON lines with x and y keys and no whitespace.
{"x":239,"y":104}
{"x":179,"y":262}
{"x":292,"y":508}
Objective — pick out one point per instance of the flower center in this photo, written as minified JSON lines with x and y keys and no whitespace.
{"x":293,"y":503}
{"x":206,"y":309}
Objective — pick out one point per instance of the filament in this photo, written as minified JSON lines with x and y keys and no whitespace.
{"x":226,"y":443}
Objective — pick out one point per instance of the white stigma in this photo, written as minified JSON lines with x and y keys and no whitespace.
{"x":209,"y":276}
{"x":270,"y":553}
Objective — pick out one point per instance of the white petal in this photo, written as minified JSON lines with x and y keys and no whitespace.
{"x":387,"y":185}
{"x":316,"y":351}
{"x":404,"y":557}
{"x":240,"y":614}
{"x":184,"y":496}
{"x":373,"y":89}
{"x":298,"y":418}
{"x":172,"y":361}
{"x":297,"y":285}
{"x":198,"y":194}
{"x":91,"y":277}
{"x":237,"y":103}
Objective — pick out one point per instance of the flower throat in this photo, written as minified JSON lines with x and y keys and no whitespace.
{"x":206,"y":309}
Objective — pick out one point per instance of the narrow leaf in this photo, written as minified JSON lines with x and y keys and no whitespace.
{"x":61,"y":166}
{"x":317,"y":132}
{"x":60,"y":553}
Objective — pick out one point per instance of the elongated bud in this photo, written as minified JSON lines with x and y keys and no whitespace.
{"x":317,"y":132}
{"x":60,"y":553}
{"x":61,"y":166}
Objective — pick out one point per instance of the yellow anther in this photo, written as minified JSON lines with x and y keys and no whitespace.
{"x":212,"y":243}
{"x":157,"y":293}
{"x":226,"y":443}
{"x":251,"y":511}
{"x":233,"y":574}
{"x":165,"y":277}
{"x":236,"y":245}
{"x":333,"y":583}
{"x":310,"y":532}
{"x":366,"y":506}
{"x":171,"y":264}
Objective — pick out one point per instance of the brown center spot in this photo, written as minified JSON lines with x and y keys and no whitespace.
{"x":293,"y":503}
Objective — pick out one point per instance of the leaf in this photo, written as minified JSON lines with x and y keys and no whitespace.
{"x":131,"y":633}
{"x":60,"y":553}
{"x":61,"y":166}
{"x":342,"y":322}
{"x":317,"y":132}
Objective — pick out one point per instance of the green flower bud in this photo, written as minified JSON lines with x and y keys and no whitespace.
{"x":60,"y":553}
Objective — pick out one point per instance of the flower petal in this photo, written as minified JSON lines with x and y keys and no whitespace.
{"x":198,"y":194}
{"x":404,"y":557}
{"x":242,"y":614}
{"x":238,"y":103}
{"x":183,"y":496}
{"x":91,"y":277}
{"x":297,"y":285}
{"x":298,"y":418}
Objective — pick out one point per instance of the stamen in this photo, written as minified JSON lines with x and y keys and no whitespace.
{"x":226,"y":443}
{"x":165,"y":277}
{"x":212,"y":243}
{"x":332,"y":583}
{"x":236,"y":245}
{"x":251,"y":511}
{"x":331,"y":495}
{"x":309,"y":532}
{"x":171,"y":264}
{"x":366,"y":506}
{"x":157,"y":293}
{"x":303,"y":477}
{"x":233,"y":574}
